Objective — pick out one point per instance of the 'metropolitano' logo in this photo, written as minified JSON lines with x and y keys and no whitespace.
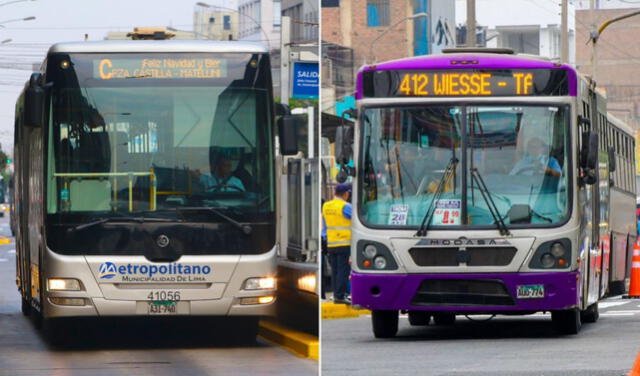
{"x":107,"y":270}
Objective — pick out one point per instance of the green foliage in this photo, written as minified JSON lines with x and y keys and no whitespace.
{"x":4,"y":160}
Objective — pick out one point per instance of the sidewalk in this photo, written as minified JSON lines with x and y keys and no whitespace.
{"x":331,"y":310}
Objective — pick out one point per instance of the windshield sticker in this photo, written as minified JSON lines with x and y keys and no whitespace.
{"x":398,"y":215}
{"x":447,"y":212}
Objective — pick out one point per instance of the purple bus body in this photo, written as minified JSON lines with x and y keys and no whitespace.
{"x":396,"y":291}
{"x":485,"y":61}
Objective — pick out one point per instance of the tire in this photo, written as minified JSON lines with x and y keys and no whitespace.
{"x":444,"y":318}
{"x":591,"y":314}
{"x":419,"y":318}
{"x":384,"y":323}
{"x":616,"y":288}
{"x":55,"y":331}
{"x":25,"y":307}
{"x":245,"y":331}
{"x":567,"y":322}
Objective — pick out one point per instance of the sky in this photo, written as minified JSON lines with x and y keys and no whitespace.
{"x":69,"y":20}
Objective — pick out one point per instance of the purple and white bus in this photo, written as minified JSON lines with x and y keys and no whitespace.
{"x":487,"y":183}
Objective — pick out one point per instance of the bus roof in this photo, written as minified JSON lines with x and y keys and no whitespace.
{"x":470,"y":61}
{"x":133,"y":46}
{"x":620,"y":124}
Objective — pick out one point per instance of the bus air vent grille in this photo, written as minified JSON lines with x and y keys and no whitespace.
{"x":472,"y":256}
{"x":462,"y":292}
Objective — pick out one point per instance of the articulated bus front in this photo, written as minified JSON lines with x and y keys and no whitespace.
{"x":465,"y":190}
{"x":158,"y":182}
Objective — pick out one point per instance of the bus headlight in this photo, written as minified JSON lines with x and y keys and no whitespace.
{"x":380,"y":262}
{"x":554,"y":254}
{"x":557,"y":249}
{"x":370,"y":251}
{"x":372,"y":255}
{"x":547,"y":260}
{"x":63,"y":284}
{"x":261,"y":283}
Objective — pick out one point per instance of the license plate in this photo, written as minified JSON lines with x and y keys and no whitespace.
{"x":530,"y":291}
{"x":162,"y":308}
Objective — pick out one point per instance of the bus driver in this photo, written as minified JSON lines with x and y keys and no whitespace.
{"x":221,"y":179}
{"x":537,"y":159}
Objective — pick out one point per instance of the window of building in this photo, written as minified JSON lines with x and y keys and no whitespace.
{"x":378,"y":13}
{"x":226,"y":20}
{"x":212,"y":20}
{"x":277,"y":13}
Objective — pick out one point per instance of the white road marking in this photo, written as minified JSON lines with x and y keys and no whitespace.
{"x":11,"y":251}
{"x":602,"y":305}
{"x":617,"y":314}
{"x":3,"y":259}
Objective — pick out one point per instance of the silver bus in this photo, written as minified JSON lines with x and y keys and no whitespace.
{"x":145,"y":182}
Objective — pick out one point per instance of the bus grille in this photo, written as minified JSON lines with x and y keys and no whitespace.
{"x":469,"y":292}
{"x":453,"y":256}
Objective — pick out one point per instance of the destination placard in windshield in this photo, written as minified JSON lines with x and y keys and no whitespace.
{"x":465,"y":83}
{"x":160,"y":68}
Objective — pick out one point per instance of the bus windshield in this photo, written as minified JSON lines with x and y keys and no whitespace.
{"x":515,"y":161}
{"x":160,"y":136}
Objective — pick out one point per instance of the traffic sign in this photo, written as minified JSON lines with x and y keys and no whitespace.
{"x":306,"y":80}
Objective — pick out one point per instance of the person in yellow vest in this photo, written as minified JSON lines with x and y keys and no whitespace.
{"x":336,"y":215}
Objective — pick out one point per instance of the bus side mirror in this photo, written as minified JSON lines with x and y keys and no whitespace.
{"x":589,"y":157}
{"x":344,"y":152}
{"x":34,"y":102}
{"x":592,"y":154}
{"x":288,"y":135}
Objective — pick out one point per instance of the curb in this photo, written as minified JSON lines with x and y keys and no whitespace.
{"x":332,"y":311}
{"x":302,"y":344}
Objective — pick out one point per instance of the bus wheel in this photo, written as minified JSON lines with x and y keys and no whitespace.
{"x":590,"y":314}
{"x":444,"y":318}
{"x":385,"y":323}
{"x":567,"y":322}
{"x":55,"y":331}
{"x":419,"y":318}
{"x":25,"y":307}
{"x":245,"y":331}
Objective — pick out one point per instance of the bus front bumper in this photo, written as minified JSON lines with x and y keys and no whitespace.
{"x":112,"y":307}
{"x":467,"y":292}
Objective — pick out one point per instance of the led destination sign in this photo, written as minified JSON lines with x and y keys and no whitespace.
{"x":159,"y":68}
{"x":465,"y":83}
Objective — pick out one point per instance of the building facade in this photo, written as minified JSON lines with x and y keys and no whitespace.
{"x":260,"y":20}
{"x":216,"y":24}
{"x":618,"y":52}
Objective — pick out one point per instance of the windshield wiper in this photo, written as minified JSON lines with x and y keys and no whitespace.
{"x":118,"y":219}
{"x":426,"y":220}
{"x":493,"y":209}
{"x":245,"y":228}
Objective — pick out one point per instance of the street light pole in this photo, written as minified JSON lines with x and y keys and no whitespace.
{"x":267,"y":40}
{"x":414,"y":16}
{"x":595,"y":35}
